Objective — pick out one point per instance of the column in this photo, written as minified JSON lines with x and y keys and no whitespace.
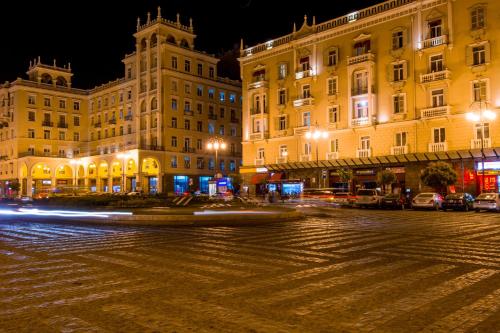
{"x":29,"y":185}
{"x":110,"y":184}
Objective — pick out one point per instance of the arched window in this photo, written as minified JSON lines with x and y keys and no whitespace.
{"x":143,"y":106}
{"x":171,"y":39}
{"x":61,"y":81}
{"x":154,"y":104}
{"x":184,"y":43}
{"x":154,"y":40}
{"x":46,"y":78}
{"x":143,"y":44}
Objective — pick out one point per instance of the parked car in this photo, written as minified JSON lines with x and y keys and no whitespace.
{"x":394,"y":201}
{"x":427,"y":201}
{"x":487,"y":201}
{"x":344,"y":199}
{"x":368,"y":198}
{"x":458,"y":201}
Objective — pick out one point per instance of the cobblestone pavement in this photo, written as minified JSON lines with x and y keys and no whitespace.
{"x":336,"y":271}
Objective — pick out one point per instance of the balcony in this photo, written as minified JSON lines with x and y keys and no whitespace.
{"x":47,"y":124}
{"x":399,"y":150}
{"x":188,"y":112}
{"x":282,"y":159}
{"x":356,"y":91}
{"x":438,"y":146}
{"x":363,"y":121}
{"x":259,"y":161}
{"x":259,"y":136}
{"x":363,"y":153}
{"x":303,"y":74}
{"x":152,"y":147}
{"x":436,"y":41}
{"x":360,"y":58}
{"x":112,"y":121}
{"x":261,"y":83}
{"x":439,"y":111}
{"x":212,"y":116}
{"x":435,"y":76}
{"x":301,"y":130}
{"x":303,"y":102}
{"x":97,"y":125}
{"x":333,"y":155}
{"x":254,"y":111}
{"x":305,"y":158}
{"x":62,"y":125}
{"x":128,"y":117}
{"x":188,"y":150}
{"x":235,"y":120}
{"x":476,"y":143}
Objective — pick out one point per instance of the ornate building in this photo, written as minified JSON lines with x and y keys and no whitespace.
{"x":396,"y":85}
{"x":146,"y":131}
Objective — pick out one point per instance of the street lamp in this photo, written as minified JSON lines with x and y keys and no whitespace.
{"x":316,"y":135}
{"x":479,"y":117}
{"x":215,"y":144}
{"x":124,"y":157}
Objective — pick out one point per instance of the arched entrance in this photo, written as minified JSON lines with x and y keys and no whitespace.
{"x":103,"y":174}
{"x":41,"y":174}
{"x":150,"y":174}
{"x":65,"y":179}
{"x":117,"y":176}
{"x":130,"y":173}
{"x":92,"y":177}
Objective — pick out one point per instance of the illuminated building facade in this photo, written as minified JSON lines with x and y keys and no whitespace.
{"x":396,"y":85}
{"x":146,"y":131}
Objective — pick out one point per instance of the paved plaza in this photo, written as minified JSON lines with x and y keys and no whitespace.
{"x":338,"y":270}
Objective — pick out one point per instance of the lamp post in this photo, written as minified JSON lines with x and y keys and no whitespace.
{"x":316,"y":135}
{"x":215,"y":144}
{"x":480,"y":117}
{"x":124,"y":157}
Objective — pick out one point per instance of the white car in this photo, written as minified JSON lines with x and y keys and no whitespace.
{"x":427,"y":201}
{"x":487,"y":201}
{"x":368,"y":198}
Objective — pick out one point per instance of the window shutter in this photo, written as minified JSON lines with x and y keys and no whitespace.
{"x":487,"y":52}
{"x":468,"y":56}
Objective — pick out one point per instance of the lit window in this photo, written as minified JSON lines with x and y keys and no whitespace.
{"x":477,"y":18}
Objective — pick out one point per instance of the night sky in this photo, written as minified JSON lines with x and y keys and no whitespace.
{"x":95,"y":35}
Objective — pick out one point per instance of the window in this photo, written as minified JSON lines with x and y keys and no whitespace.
{"x":211,"y":128}
{"x":232,"y":166}
{"x":436,"y":63}
{"x":62,"y":153}
{"x":222,"y":112}
{"x":211,"y":93}
{"x":233,"y":131}
{"x":200,"y":163}
{"x":31,"y":151}
{"x":62,"y":104}
{"x":173,"y":162}
{"x":304,"y":64}
{"x":199,"y":108}
{"x":174,"y":62}
{"x":46,"y":101}
{"x":439,"y":135}
{"x":76,"y":121}
{"x":31,"y":115}
{"x":257,"y":126}
{"x":199,"y":91}
{"x":480,"y":90}
{"x":129,"y":73}
{"x":482,"y":131}
{"x":31,"y":100}
{"x":333,"y":114}
{"x":187,"y":124}
{"x":400,"y":139}
{"x":199,"y":126}
{"x":31,"y":133}
{"x":46,"y":152}
{"x":478,"y":55}
{"x":282,"y":123}
{"x":437,"y":98}
{"x":360,"y":83}
{"x":129,"y":95}
{"x":398,"y":103}
{"x":222,"y":165}
{"x":332,"y":86}
{"x":283,"y":152}
{"x":211,"y":72}
{"x":199,"y":144}
{"x":332,"y":57}
{"x":76,"y":105}
{"x":282,"y":71}
{"x":306,"y":91}
{"x":306,"y":119}
{"x":121,"y":130}
{"x":334,"y":145}
{"x":200,"y":69}
{"x":221,"y":130}
{"x":222,"y":96}
{"x":46,"y":134}
{"x":365,"y":143}
{"x":398,"y":73}
{"x":187,"y":66}
{"x":307,"y":148}
{"x":174,"y":85}
{"x":435,"y":28}
{"x":129,"y":129}
{"x":477,"y":18}
{"x":232,"y":148}
{"x":232,"y":98}
{"x":397,"y":40}
{"x":187,"y":106}
{"x":174,"y":104}
{"x":362,"y":47}
{"x":360,"y":109}
{"x":76,"y":136}
{"x":174,"y":122}
{"x":261,"y":153}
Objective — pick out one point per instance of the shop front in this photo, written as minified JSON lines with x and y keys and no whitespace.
{"x":489,"y":180}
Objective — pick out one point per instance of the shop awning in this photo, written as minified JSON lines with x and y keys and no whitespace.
{"x":276,"y":176}
{"x":259,"y":178}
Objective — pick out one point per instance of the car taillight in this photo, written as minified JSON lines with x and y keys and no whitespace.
{"x":431,"y":201}
{"x":413,"y":201}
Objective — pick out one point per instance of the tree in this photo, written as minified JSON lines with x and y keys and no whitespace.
{"x":386,"y":177}
{"x":346,"y":175}
{"x":439,"y":175}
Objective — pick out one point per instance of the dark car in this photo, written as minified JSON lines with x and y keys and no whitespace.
{"x":458,"y":201}
{"x":394,"y":201}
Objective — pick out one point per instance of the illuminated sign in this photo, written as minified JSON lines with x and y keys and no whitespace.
{"x":261,"y":169}
{"x":489,"y":165}
{"x":46,"y":182}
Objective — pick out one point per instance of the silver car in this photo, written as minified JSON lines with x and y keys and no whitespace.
{"x":368,"y":198}
{"x":487,"y":201}
{"x":427,"y":201}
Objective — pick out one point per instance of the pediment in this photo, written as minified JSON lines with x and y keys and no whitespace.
{"x":362,"y":37}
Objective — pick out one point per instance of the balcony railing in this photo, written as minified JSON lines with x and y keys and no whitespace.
{"x":254,"y":111}
{"x":301,"y":130}
{"x":259,"y":161}
{"x":282,"y":159}
{"x":258,"y":84}
{"x":438,"y":146}
{"x":431,"y":42}
{"x":303,"y":102}
{"x":476,"y":143}
{"x":188,"y":150}
{"x":360,"y":58}
{"x":212,"y":116}
{"x":435,"y":76}
{"x":97,"y":125}
{"x":360,"y":121}
{"x":47,"y":124}
{"x":305,"y":158}
{"x":152,"y":147}
{"x":355,"y":91}
{"x":62,"y":125}
{"x":360,"y":153}
{"x":112,"y":121}
{"x":439,"y":111}
{"x":235,"y":120}
{"x":302,"y":74}
{"x":128,"y":117}
{"x":259,"y":136}
{"x":333,"y":155}
{"x":188,"y":112}
{"x":399,"y":150}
